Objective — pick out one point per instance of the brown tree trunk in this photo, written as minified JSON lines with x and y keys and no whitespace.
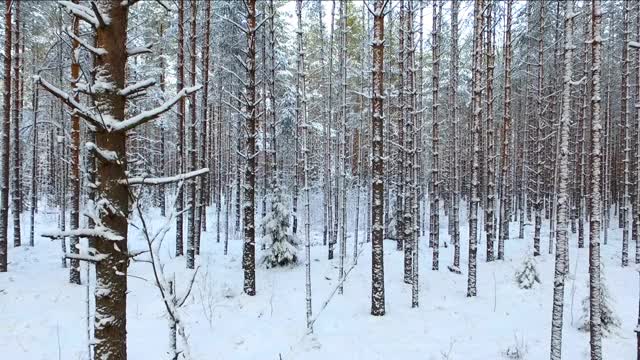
{"x":193,"y":227}
{"x":74,"y":221}
{"x":111,"y":287}
{"x":377,"y":185}
{"x":180,"y":156}
{"x":15,"y":132}
{"x":249,"y":252}
{"x":4,"y":149}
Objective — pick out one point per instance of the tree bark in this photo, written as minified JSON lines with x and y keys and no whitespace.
{"x":4,"y":149}
{"x":377,"y":185}
{"x":475,"y":145}
{"x":248,"y":221}
{"x":595,"y":326}
{"x":562,"y":231}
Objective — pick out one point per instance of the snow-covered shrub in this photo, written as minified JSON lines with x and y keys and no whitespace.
{"x":392,"y":233}
{"x":527,"y":276}
{"x":282,"y":249}
{"x":517,"y":351}
{"x":608,"y":318}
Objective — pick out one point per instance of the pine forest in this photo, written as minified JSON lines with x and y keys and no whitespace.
{"x":320,"y":179}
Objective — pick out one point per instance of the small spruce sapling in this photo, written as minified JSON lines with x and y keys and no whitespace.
{"x":282,"y":250}
{"x":527,"y":276}
{"x":608,"y":318}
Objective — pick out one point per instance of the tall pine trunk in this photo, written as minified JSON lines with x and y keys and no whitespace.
{"x":475,"y":145}
{"x":377,"y":185}
{"x":4,"y":140}
{"x":562,"y":232}
{"x":248,"y":221}
{"x":595,"y":286}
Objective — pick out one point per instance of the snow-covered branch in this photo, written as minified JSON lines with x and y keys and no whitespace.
{"x":139,"y":50}
{"x":126,"y":3}
{"x":97,"y":232}
{"x":105,"y":155}
{"x":94,"y":50}
{"x":86,"y":257}
{"x":78,"y":108}
{"x":137,"y":87}
{"x":152,"y":114}
{"x":163,"y":180}
{"x":80,"y":11}
{"x":102,"y":19}
{"x":238,"y":26}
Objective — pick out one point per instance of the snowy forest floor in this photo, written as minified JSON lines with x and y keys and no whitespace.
{"x":42,"y":316}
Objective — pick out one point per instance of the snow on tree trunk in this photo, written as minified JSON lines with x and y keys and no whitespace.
{"x":16,"y":187}
{"x":377,"y":185}
{"x":453,"y":103}
{"x":343,"y":163}
{"x":193,"y":218}
{"x":595,"y":286}
{"x":109,"y":210}
{"x":624,"y":121}
{"x":302,"y":115}
{"x":180,"y":153}
{"x":475,"y":144}
{"x":561,"y":265}
{"x":74,"y":221}
{"x":489,"y":211}
{"x":398,"y":206}
{"x":505,"y":194}
{"x":410,"y":233}
{"x":248,"y":221}
{"x":4,"y":147}
{"x":435,"y":140}
{"x":538,"y":158}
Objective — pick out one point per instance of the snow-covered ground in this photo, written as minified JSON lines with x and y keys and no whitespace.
{"x":44,"y":317}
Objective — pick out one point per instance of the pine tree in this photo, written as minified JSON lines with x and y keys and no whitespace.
{"x":377,"y":185}
{"x":4,"y":148}
{"x":595,"y":281}
{"x":527,"y":276}
{"x":505,"y":193}
{"x":561,"y":259}
{"x":453,"y":104}
{"x":609,"y":321}
{"x":109,"y":211}
{"x":248,"y":254}
{"x":282,"y":247}
{"x":475,"y":143}
{"x":74,"y":268}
